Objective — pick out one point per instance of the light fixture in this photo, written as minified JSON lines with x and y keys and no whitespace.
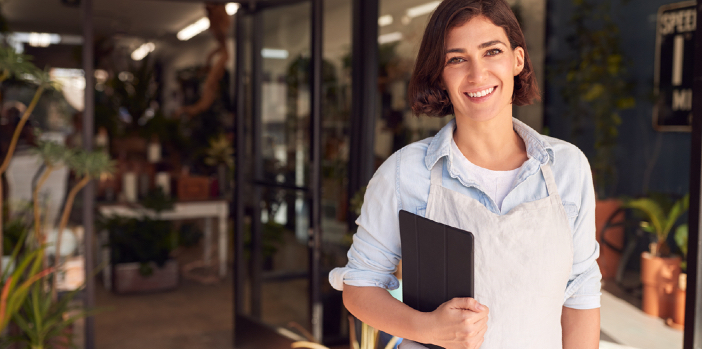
{"x":196,"y":28}
{"x":388,"y":38}
{"x":204,"y":23}
{"x":274,"y":53}
{"x":384,"y":20}
{"x":36,"y":39}
{"x":43,"y":39}
{"x":18,"y":39}
{"x":231,"y":8}
{"x":143,"y":50}
{"x":422,"y":9}
{"x":101,"y":75}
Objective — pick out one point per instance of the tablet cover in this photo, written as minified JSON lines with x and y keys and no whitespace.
{"x":437,"y":262}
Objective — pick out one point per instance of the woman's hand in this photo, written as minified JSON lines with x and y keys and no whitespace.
{"x":459,"y":323}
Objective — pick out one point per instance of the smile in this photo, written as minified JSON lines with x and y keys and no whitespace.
{"x":482,"y":93}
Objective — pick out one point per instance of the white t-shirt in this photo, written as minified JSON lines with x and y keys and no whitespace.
{"x":496,"y":184}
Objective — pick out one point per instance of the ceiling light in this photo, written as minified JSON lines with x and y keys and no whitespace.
{"x":274,"y":53}
{"x":101,"y":75}
{"x":384,"y":20}
{"x":422,"y":9}
{"x":43,"y":39}
{"x":196,"y":28}
{"x":231,"y":8}
{"x":143,"y":50}
{"x":388,"y":38}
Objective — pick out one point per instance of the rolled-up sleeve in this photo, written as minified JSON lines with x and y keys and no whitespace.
{"x":376,"y":250}
{"x":584,"y":286}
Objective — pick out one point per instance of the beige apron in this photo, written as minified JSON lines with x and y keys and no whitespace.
{"x":522,"y":262}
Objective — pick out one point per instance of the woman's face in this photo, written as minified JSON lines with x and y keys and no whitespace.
{"x":479,"y":70}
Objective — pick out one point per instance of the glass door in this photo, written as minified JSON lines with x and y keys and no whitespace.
{"x":274,"y":282}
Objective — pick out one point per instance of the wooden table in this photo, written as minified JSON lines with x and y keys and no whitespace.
{"x":207,"y":209}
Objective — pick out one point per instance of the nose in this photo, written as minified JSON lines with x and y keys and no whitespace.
{"x":476,"y":71}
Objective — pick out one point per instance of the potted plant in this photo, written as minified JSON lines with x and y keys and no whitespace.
{"x":17,"y":65}
{"x":660,"y":269}
{"x":46,"y":322}
{"x":140,"y":255}
{"x":27,"y":296}
{"x":15,"y":281}
{"x":595,"y":90}
{"x":220,"y":154}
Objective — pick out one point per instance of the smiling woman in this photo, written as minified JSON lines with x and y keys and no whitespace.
{"x":527,"y":199}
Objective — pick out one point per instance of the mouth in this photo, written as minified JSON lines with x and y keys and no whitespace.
{"x":481,"y":93}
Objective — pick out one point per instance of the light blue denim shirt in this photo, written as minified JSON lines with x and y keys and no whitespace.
{"x":402,"y":183}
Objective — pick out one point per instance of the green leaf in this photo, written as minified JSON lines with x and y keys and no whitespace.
{"x":681,"y":236}
{"x":676,"y":211}
{"x":626,"y":103}
{"x":594,"y":92}
{"x":652,"y":210}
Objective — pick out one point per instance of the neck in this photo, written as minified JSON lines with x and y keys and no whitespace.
{"x":491,"y":144}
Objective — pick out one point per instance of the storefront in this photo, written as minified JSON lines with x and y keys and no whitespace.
{"x":318,"y":102}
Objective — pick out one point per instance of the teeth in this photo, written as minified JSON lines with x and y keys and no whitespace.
{"x":481,"y":93}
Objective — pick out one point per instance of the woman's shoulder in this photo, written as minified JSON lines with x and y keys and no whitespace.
{"x":564,"y":151}
{"x":405,"y":171}
{"x":408,"y":157}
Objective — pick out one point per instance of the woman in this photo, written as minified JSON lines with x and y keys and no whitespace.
{"x":527,"y":198}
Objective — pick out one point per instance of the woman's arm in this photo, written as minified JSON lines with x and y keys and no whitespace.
{"x":458,"y":323}
{"x":581,"y":328}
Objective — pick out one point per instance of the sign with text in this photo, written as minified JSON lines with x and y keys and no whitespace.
{"x":675,"y":48}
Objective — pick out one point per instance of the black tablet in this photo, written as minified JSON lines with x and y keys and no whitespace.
{"x":437,"y":262}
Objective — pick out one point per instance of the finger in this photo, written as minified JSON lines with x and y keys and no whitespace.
{"x":477,"y":345}
{"x":481,"y":321}
{"x":468,"y":304}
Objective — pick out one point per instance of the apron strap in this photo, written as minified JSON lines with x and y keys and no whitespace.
{"x":437,"y":172}
{"x":550,"y":181}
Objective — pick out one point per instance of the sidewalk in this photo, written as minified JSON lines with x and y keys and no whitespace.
{"x":632,"y":329}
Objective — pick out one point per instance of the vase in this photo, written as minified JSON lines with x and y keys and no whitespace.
{"x":679,"y":314}
{"x":660,"y":278}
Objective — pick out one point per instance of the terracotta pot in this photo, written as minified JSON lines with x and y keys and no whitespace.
{"x":660,"y":278}
{"x":679,"y":314}
{"x":609,"y":258}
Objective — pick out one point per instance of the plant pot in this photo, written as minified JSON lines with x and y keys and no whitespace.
{"x":659,"y":277}
{"x":609,"y":258}
{"x":193,"y":188}
{"x":128,"y":279}
{"x":679,"y":313}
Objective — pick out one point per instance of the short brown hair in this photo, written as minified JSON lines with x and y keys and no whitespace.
{"x":426,"y":96}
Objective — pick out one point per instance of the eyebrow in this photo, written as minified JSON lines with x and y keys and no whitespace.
{"x":481,"y":46}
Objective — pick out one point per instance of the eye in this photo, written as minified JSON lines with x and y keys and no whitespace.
{"x":454,"y":60}
{"x":493,"y":52}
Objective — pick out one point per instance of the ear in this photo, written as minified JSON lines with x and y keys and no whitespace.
{"x":518,"y":61}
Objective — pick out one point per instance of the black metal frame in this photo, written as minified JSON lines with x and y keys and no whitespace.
{"x":88,"y":190}
{"x":315,"y":239}
{"x":313,"y":193}
{"x":693,"y":306}
{"x":364,"y":87}
{"x":238,"y":266}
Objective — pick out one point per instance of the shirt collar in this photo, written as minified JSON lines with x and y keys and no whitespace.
{"x":537,"y":146}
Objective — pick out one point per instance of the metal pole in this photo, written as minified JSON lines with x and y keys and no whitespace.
{"x":239,"y":278}
{"x":315,"y":245}
{"x":364,"y":90}
{"x":256,"y":231}
{"x":89,"y":190}
{"x":693,"y":306}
